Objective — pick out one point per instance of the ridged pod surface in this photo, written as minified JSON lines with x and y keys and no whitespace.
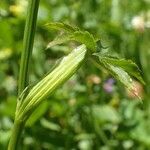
{"x":44,"y":88}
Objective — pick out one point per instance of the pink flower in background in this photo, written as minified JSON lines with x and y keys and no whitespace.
{"x":109,"y":85}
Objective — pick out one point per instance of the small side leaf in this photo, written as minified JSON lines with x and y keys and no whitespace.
{"x":121,"y":69}
{"x":82,"y":37}
{"x":72,"y":34}
{"x":61,"y":26}
{"x":86,"y":38}
{"x":127,"y":65}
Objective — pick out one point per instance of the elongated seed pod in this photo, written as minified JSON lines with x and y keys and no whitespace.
{"x":44,"y":88}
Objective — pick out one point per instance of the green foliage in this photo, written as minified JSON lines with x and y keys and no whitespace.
{"x":72,"y":34}
{"x":98,"y":112}
{"x":70,"y":109}
{"x":121,"y":69}
{"x":62,"y":26}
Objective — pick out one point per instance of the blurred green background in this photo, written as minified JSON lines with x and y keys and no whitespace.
{"x":92,"y":111}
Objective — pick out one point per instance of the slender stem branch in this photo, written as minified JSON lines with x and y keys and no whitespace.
{"x":15,"y":135}
{"x":28,"y":41}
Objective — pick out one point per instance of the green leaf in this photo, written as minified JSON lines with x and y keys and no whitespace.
{"x":82,"y":37}
{"x":127,"y":65}
{"x":86,"y":38}
{"x":61,"y":27}
{"x":121,"y":69}
{"x":72,"y":34}
{"x":121,"y":75}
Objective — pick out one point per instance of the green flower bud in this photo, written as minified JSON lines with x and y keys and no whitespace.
{"x":44,"y":88}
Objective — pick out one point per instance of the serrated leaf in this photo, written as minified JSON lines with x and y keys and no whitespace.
{"x":99,"y":46}
{"x":82,"y":37}
{"x":121,"y":75}
{"x":121,"y":69}
{"x":61,"y":26}
{"x":129,"y":66}
{"x":72,"y":34}
{"x":86,"y":38}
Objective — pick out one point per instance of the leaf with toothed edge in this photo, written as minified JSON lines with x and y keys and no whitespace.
{"x":86,"y":38}
{"x":121,"y":69}
{"x":129,"y":66}
{"x":82,"y":37}
{"x":61,"y":27}
{"x":72,"y":34}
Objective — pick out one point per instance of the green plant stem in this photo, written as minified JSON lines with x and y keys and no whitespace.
{"x":15,"y":135}
{"x":28,"y":41}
